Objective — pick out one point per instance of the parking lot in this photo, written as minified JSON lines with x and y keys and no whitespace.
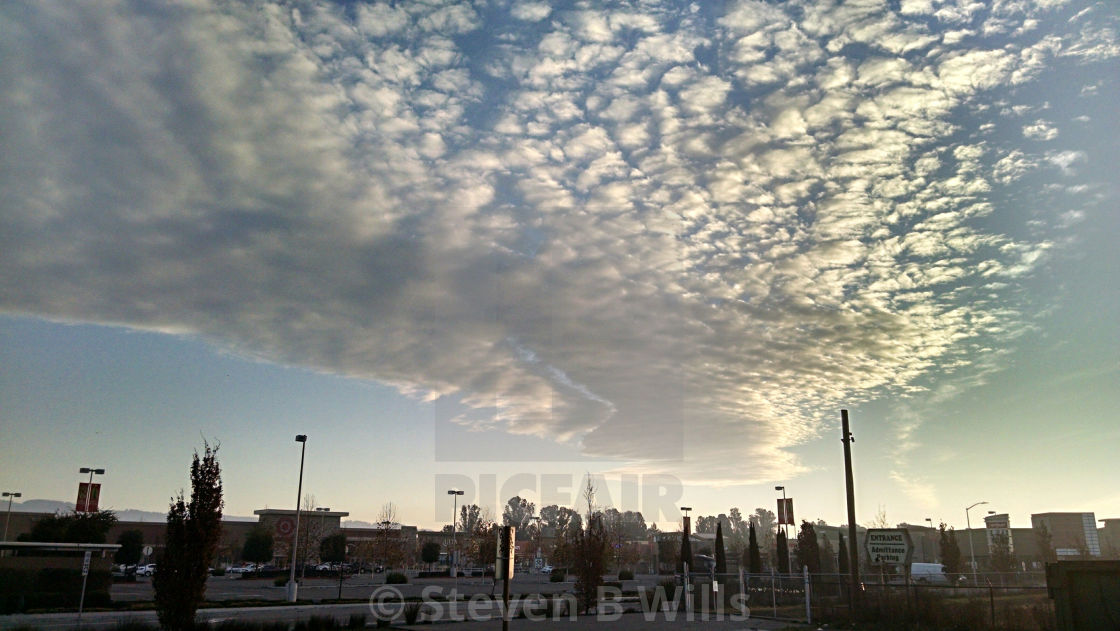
{"x":235,"y":587}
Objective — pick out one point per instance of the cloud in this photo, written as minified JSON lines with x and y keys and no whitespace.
{"x":663,"y":234}
{"x":1040,"y":130}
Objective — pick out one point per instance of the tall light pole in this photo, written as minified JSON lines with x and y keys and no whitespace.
{"x":293,"y":587}
{"x":10,"y":495}
{"x":927,"y":538}
{"x":454,"y":493}
{"x":971,"y":549}
{"x":89,"y":487}
{"x":785,"y":531}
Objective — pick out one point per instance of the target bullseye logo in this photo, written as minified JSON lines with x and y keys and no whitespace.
{"x":285,"y":526}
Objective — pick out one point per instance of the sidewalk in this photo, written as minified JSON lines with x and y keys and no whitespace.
{"x":623,"y":622}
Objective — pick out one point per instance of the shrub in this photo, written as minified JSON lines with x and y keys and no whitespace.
{"x":395,"y":578}
{"x":356,"y":621}
{"x":625,"y":575}
{"x":218,"y":571}
{"x":280,"y":581}
{"x":413,"y":612}
{"x":557,"y":576}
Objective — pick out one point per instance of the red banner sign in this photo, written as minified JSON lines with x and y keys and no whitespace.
{"x":785,"y":511}
{"x":88,"y":496}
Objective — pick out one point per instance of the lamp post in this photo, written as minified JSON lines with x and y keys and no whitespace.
{"x":293,"y":587}
{"x":89,"y":487}
{"x":971,"y":549}
{"x":454,"y":493}
{"x":784,"y":519}
{"x":927,"y":538}
{"x":10,"y":495}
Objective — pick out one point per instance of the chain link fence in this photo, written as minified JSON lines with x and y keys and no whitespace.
{"x":980,"y":602}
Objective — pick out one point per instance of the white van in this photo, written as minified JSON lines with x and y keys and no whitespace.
{"x":932,"y":573}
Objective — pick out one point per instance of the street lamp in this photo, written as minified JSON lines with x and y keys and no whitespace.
{"x":971,"y":549}
{"x":10,"y":495}
{"x":89,"y":487}
{"x":926,"y":538}
{"x":293,"y":587}
{"x":454,"y":493}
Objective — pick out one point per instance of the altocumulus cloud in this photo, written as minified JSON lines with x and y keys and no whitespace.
{"x":597,"y":224}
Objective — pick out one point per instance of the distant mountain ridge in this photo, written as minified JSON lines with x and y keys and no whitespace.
{"x":126,"y":514}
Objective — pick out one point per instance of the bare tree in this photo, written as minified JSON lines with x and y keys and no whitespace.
{"x":590,"y":551}
{"x":880,"y":519}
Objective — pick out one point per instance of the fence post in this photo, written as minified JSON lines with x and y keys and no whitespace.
{"x":808,"y":596}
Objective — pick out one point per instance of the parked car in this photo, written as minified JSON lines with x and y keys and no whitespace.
{"x":146,"y":570}
{"x":546,"y":569}
{"x":243,"y":569}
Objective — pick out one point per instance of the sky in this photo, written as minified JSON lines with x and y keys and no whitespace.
{"x":504,"y":245}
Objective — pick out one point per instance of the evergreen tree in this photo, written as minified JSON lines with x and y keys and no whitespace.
{"x":721,"y":555}
{"x":686,"y":551}
{"x":842,"y":555}
{"x":132,"y":548}
{"x":429,"y":552}
{"x":193,"y":532}
{"x":754,"y":560}
{"x":258,"y":546}
{"x":332,"y":548}
{"x":808,"y":550}
{"x":950,"y":551}
{"x":783,"y":552}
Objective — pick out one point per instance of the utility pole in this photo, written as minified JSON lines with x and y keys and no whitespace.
{"x":853,"y":546}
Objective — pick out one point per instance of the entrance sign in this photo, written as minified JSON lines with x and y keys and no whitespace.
{"x":889,"y":545}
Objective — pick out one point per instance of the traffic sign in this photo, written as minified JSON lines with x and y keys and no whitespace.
{"x":889,"y":545}
{"x":147,"y":551}
{"x":85,"y":564}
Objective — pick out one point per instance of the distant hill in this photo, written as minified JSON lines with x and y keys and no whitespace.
{"x":357,"y":523}
{"x":126,"y":514}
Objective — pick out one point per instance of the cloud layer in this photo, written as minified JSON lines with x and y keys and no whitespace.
{"x":599,"y":225}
